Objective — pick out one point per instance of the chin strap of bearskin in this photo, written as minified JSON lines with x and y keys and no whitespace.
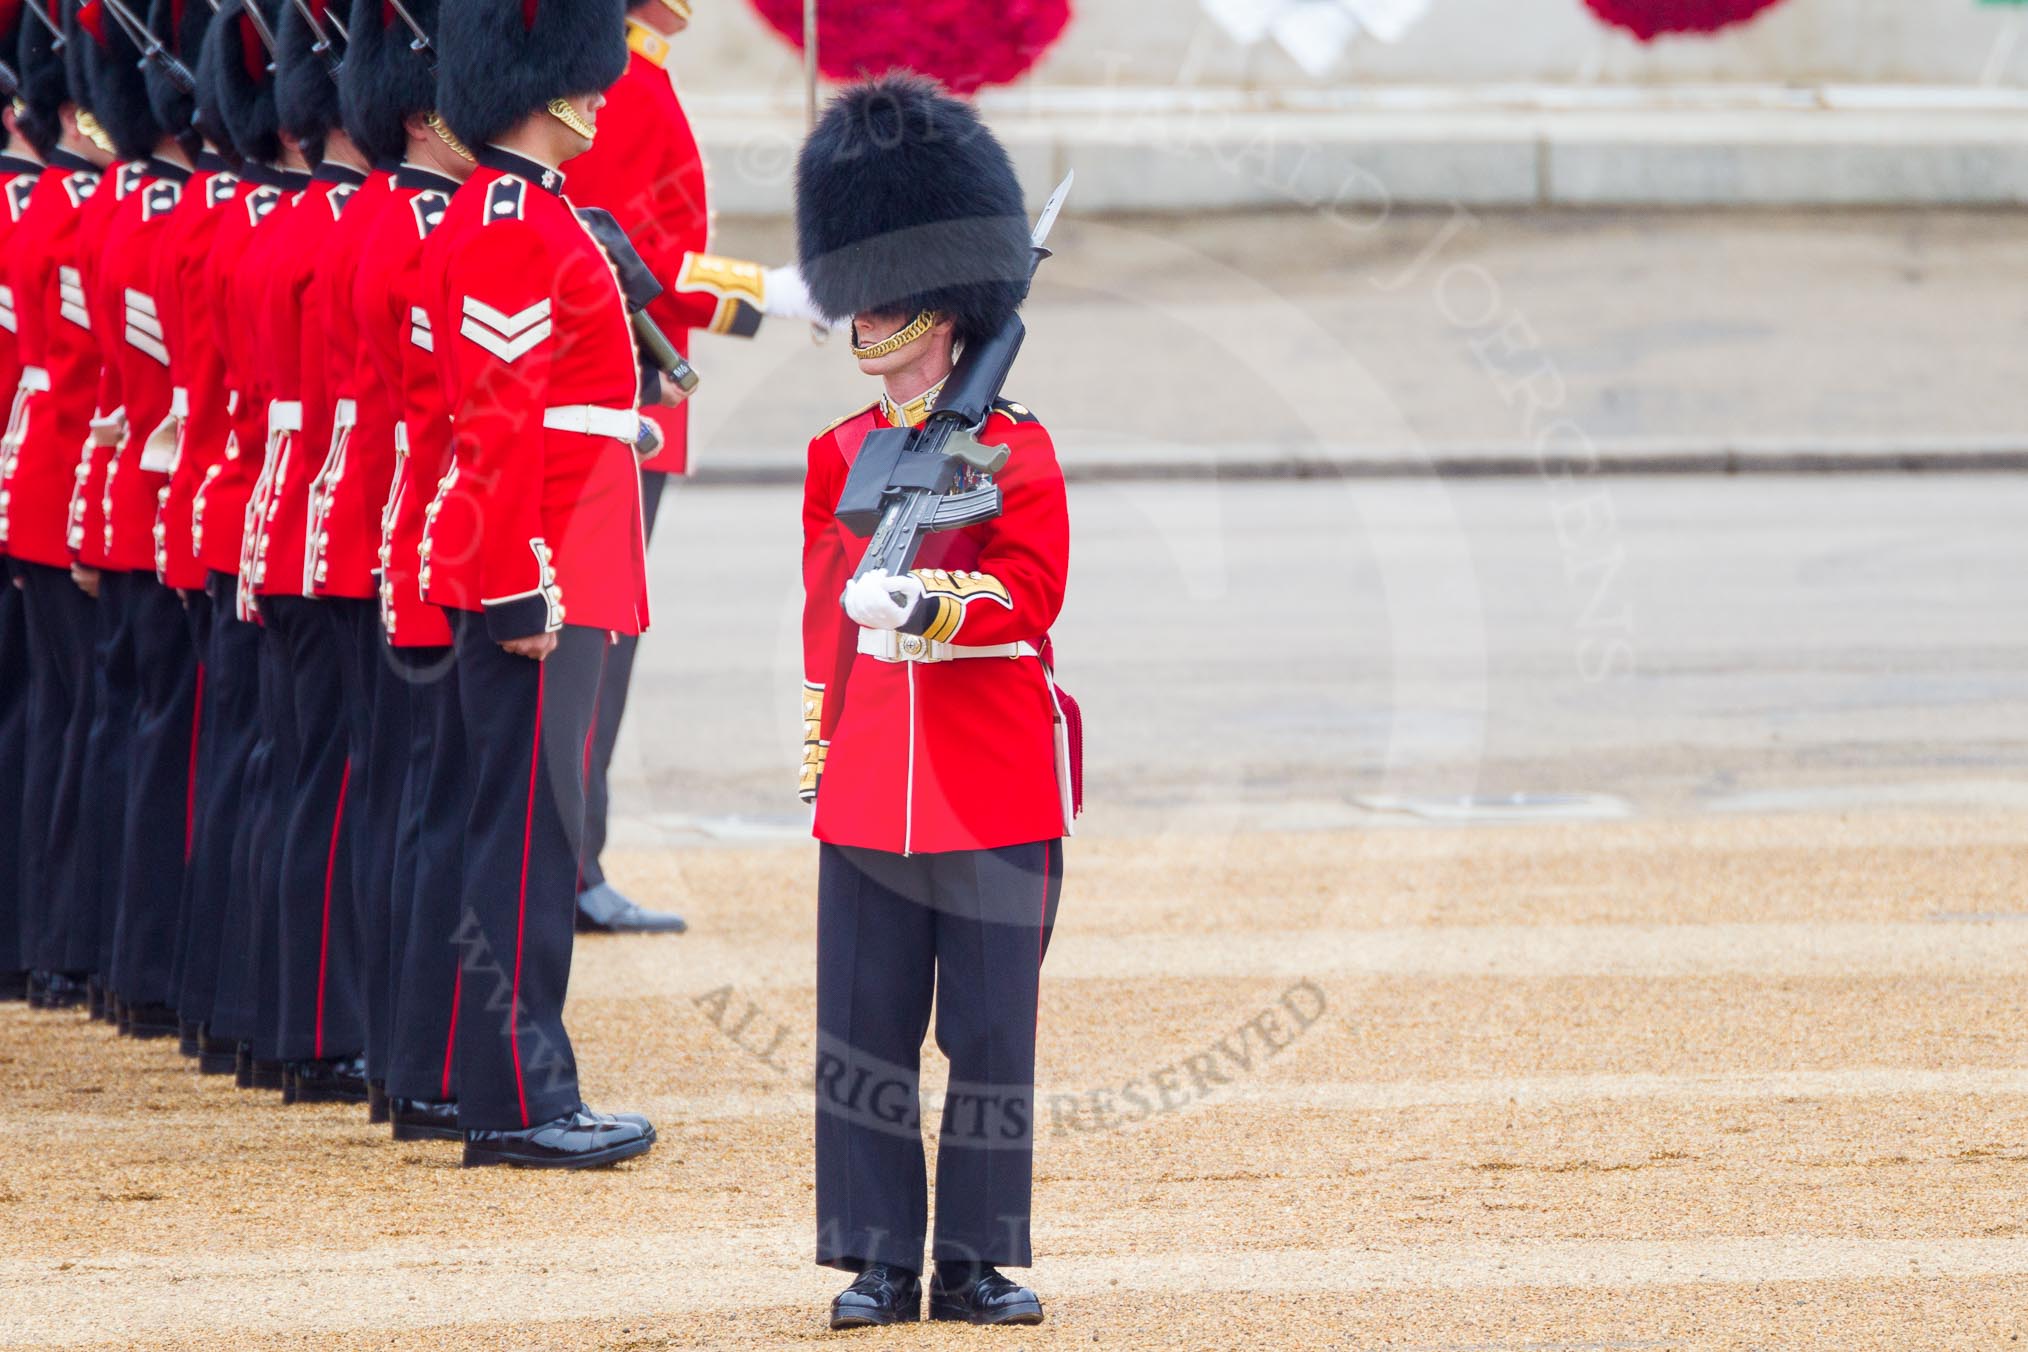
{"x":561,"y":110}
{"x":919,"y":326}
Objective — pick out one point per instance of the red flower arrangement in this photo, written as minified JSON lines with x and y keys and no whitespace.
{"x":961,"y":43}
{"x":1647,"y":19}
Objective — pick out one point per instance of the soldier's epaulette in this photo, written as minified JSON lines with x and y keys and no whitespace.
{"x":840,"y":422}
{"x":1018,"y":412}
{"x":429,"y":211}
{"x":80,"y":185}
{"x":219,"y":188}
{"x":128,"y":180}
{"x":338,"y":197}
{"x":160,"y":200}
{"x":19,"y":189}
{"x":506,"y":200}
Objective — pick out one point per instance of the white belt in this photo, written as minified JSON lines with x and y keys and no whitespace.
{"x":593,"y":421}
{"x":284,"y":415}
{"x":179,"y":402}
{"x":34,"y":378}
{"x":345,"y":413}
{"x":891,"y":645}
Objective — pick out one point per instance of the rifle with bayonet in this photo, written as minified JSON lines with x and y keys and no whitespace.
{"x":640,"y":287}
{"x":153,"y":53}
{"x":908,"y":483}
{"x":420,"y":44}
{"x":57,"y":40}
{"x":322,"y":46}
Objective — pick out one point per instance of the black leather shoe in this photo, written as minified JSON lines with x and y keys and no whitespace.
{"x":149,"y":1021}
{"x":255,"y":1073}
{"x":984,"y":1297}
{"x":95,"y":999}
{"x":882,"y":1294}
{"x":38,"y":989}
{"x":216,"y":1056}
{"x":61,"y":990}
{"x":331,"y":1080}
{"x":189,"y":1034}
{"x":376,"y":1102}
{"x":13,"y":985}
{"x":424,"y":1120}
{"x":602,"y":910}
{"x":581,"y":1139}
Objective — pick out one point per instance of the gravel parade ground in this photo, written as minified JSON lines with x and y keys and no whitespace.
{"x":1704,"y":1082}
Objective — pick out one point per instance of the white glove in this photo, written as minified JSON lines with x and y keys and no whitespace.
{"x":784,"y":296}
{"x":882,"y":601}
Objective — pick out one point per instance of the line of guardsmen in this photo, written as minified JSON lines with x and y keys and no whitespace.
{"x":290,"y":788}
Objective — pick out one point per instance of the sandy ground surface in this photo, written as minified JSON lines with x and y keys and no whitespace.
{"x":1723,"y":1081}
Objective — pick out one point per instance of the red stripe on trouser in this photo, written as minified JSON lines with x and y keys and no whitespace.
{"x":1041,"y":935}
{"x":521,"y":915}
{"x":451,"y":1042}
{"x":190,"y":784}
{"x":589,"y":734}
{"x":330,"y":872}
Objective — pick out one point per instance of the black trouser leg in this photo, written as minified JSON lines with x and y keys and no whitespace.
{"x":62,"y":624}
{"x":430,"y":883}
{"x":612,"y":706}
{"x":14,"y":700}
{"x":250,"y":971}
{"x":216,"y":985}
{"x":197,"y":625}
{"x":378,"y":700}
{"x":318,"y":948}
{"x":102,"y":799}
{"x":971,"y":926}
{"x":525,"y":726}
{"x":157,"y":822}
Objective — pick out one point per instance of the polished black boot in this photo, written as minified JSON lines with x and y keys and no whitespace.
{"x":332,"y":1080}
{"x":189,"y":1037}
{"x":376,"y":1102}
{"x":424,"y":1120}
{"x":604,"y":910}
{"x":578,"y":1140}
{"x":255,"y":1074}
{"x":148,"y":1021}
{"x":96,"y":1006}
{"x":38,"y":989}
{"x":216,"y":1056}
{"x":976,"y":1293}
{"x":882,"y":1294}
{"x":13,"y":986}
{"x":62,"y":990}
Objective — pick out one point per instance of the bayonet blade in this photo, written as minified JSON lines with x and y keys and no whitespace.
{"x":1050,"y":212}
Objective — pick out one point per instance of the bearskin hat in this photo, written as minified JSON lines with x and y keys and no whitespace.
{"x":119,"y":90}
{"x":905,"y":201}
{"x":506,"y":59}
{"x":179,"y":26}
{"x":306,"y":94}
{"x":242,"y":83}
{"x":44,"y":88}
{"x":385,"y":79}
{"x":11,"y":19}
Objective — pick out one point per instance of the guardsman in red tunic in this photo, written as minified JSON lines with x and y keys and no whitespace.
{"x":49,"y":421}
{"x":416,"y":705}
{"x":246,"y":994}
{"x":321,"y":1037}
{"x":646,"y":170}
{"x":534,"y":541}
{"x":153,"y":724}
{"x":195,"y":434}
{"x":933,"y":729}
{"x":20,"y":166}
